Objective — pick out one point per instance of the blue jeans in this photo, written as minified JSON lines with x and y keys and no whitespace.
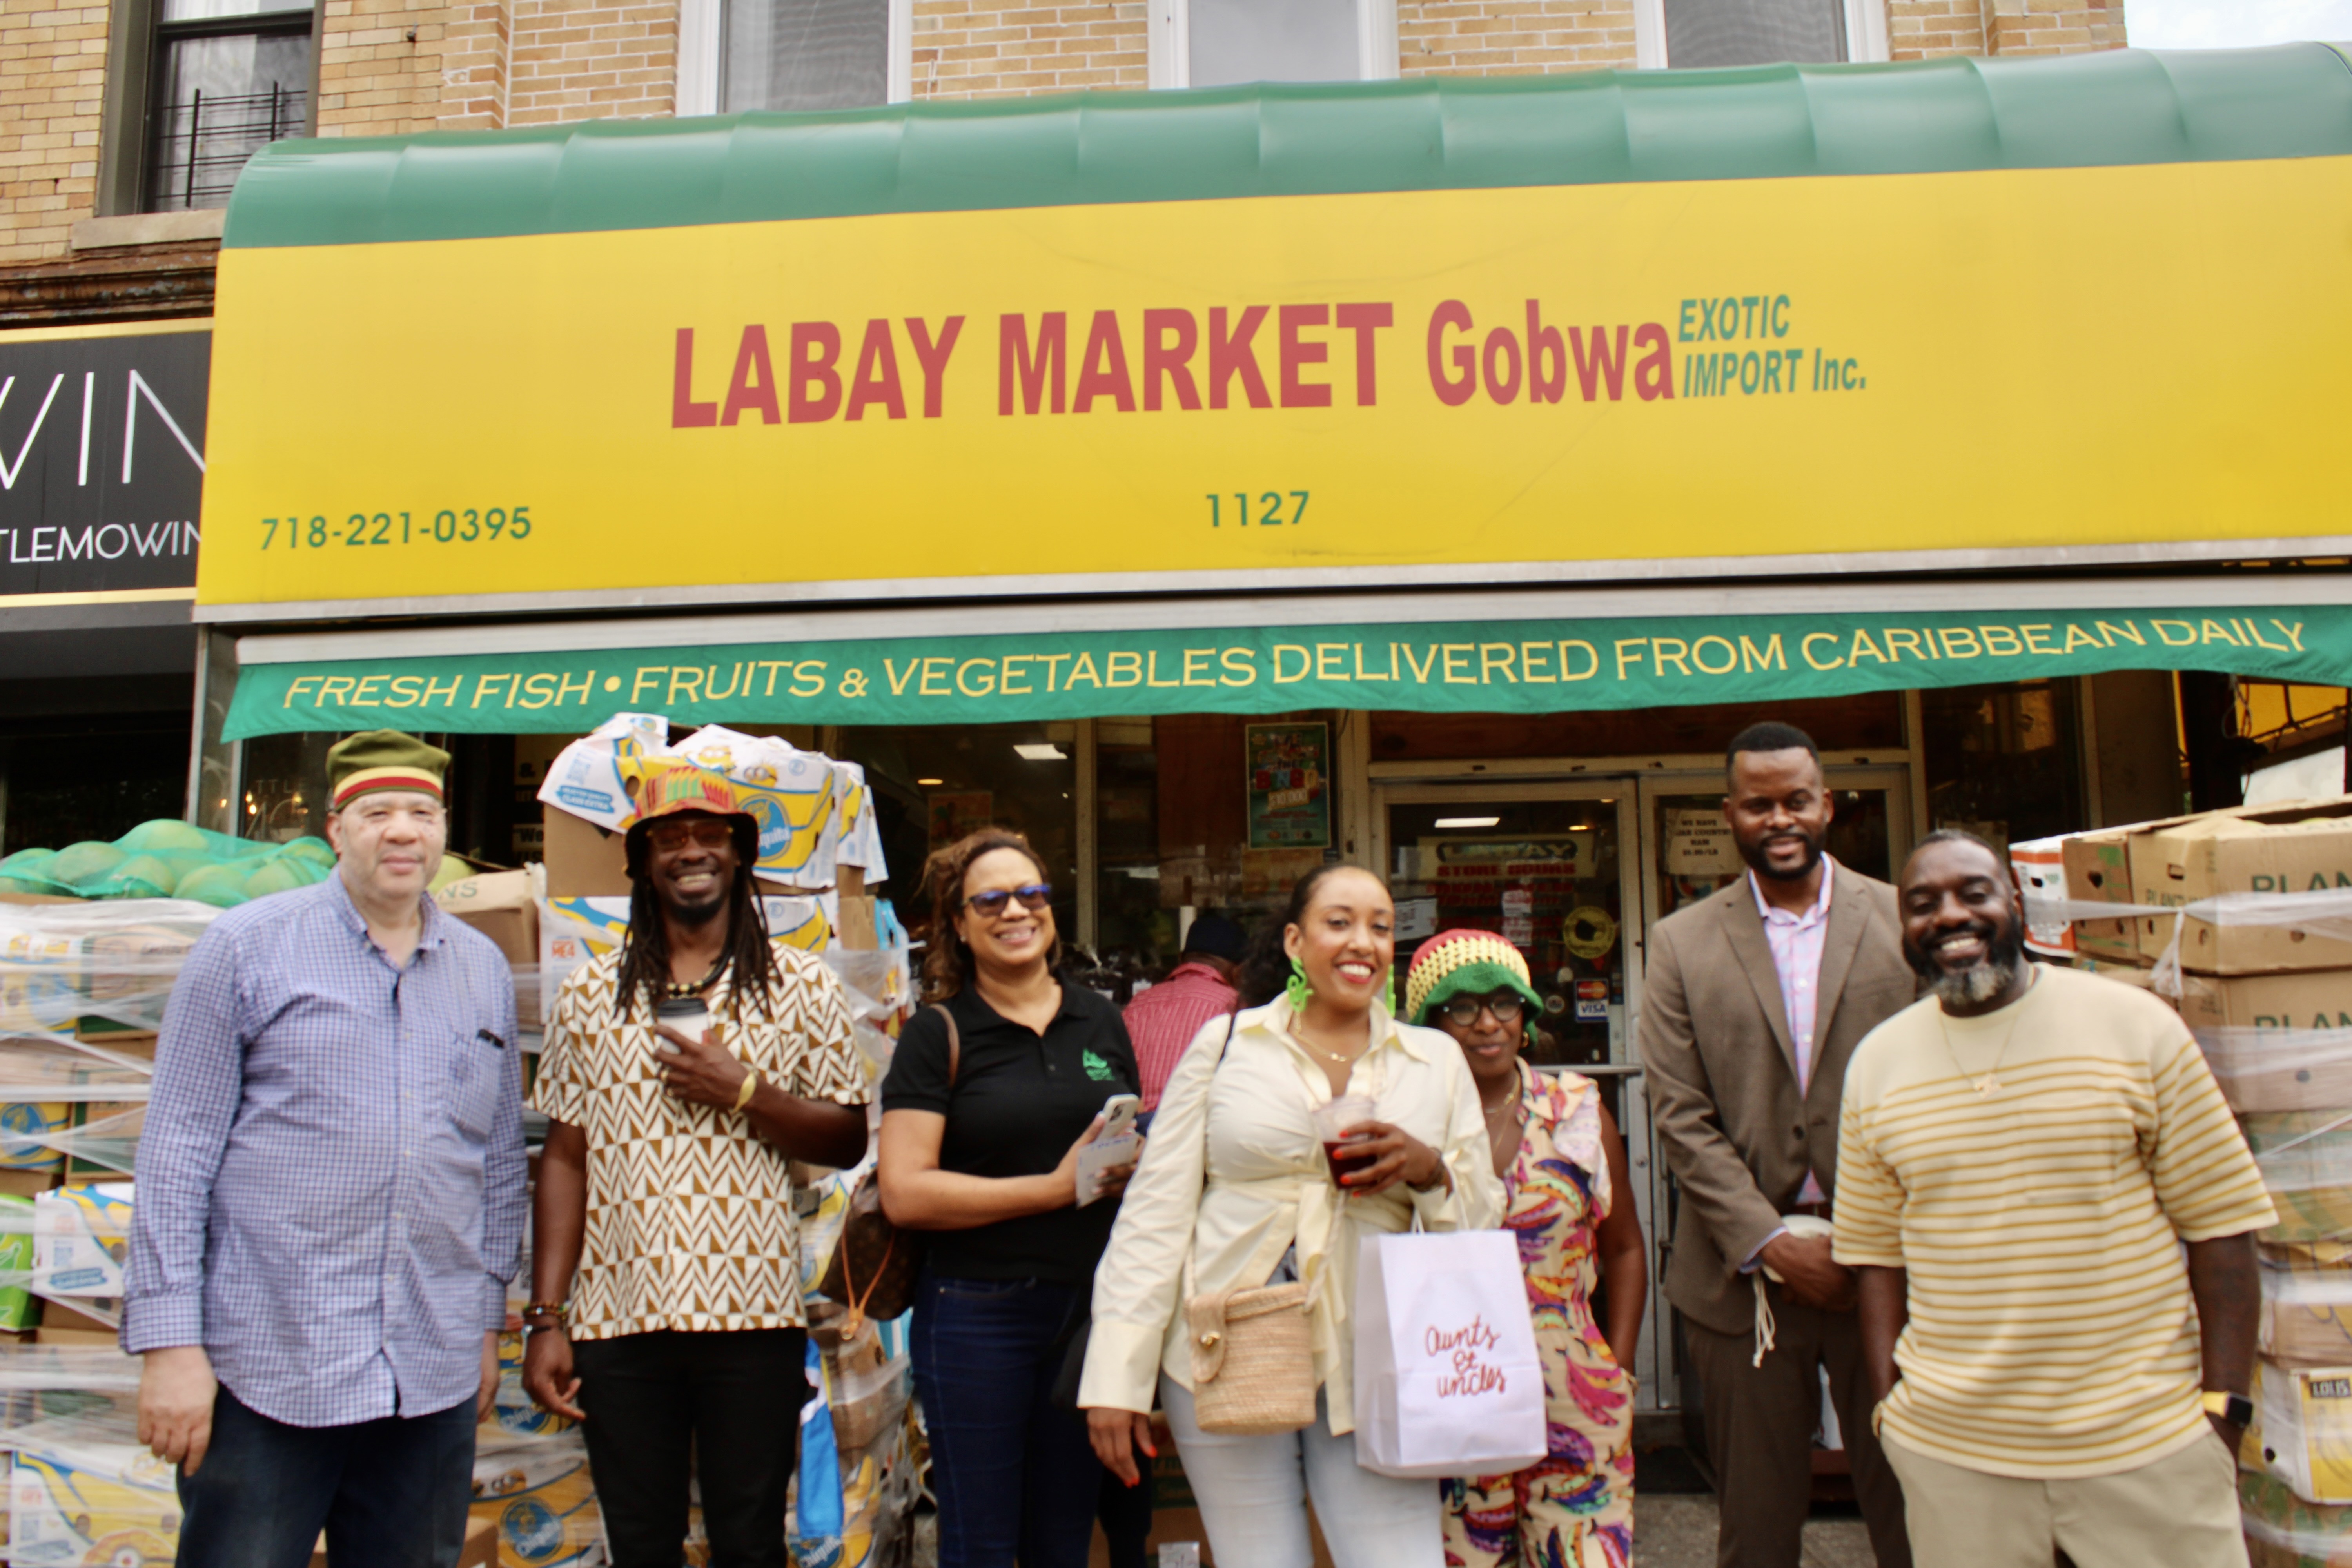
{"x":1015,"y":1476}
{"x":390,"y":1493}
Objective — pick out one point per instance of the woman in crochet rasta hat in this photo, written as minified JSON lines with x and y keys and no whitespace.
{"x":1567,"y":1198}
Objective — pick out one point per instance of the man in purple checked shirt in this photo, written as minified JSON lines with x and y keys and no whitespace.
{"x":330,"y":1200}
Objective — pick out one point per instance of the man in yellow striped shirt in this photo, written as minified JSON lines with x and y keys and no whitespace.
{"x":2023,"y":1155}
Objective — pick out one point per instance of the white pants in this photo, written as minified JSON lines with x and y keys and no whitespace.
{"x":1253,"y":1494}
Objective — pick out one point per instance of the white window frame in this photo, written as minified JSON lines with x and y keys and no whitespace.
{"x":1168,"y":43}
{"x":1866,"y":33}
{"x":702,"y":29}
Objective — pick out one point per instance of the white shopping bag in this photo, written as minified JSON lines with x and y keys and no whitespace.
{"x":1447,"y":1381}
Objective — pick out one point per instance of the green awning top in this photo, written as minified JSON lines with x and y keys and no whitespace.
{"x":1593,"y":128}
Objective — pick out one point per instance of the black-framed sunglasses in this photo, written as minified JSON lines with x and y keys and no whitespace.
{"x":1034,"y":896}
{"x":1506,"y":1006}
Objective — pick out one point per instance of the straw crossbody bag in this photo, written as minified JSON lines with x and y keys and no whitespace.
{"x":871,"y":1249}
{"x":1253,"y":1355}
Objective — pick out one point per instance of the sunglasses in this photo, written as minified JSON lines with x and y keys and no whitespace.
{"x":672,"y":835}
{"x":1464,"y":1010}
{"x":1034,"y":896}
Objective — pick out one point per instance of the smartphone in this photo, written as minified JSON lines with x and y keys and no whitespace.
{"x":1118,"y":1117}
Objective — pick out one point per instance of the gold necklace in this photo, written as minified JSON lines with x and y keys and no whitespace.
{"x":1989,"y":1085}
{"x":1298,"y":1033}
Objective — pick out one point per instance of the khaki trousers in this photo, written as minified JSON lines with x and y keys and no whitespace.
{"x":1759,"y":1435}
{"x":2180,"y":1512}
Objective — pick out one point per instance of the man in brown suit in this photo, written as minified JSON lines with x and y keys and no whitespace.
{"x":1753,"y":1001}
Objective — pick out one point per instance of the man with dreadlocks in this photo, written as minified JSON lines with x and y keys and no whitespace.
{"x":664,"y":1210}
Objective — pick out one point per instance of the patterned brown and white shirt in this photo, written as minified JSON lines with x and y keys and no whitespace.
{"x":691,"y":1223}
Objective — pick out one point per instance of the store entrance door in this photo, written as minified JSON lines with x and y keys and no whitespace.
{"x":1574,"y":872}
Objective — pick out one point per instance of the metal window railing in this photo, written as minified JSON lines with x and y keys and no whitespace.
{"x":202,"y":144}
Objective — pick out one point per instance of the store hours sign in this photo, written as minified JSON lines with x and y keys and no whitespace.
{"x":102,"y":457}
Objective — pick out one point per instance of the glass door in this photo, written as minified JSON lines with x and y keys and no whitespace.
{"x":1545,"y":867}
{"x":1552,"y":868}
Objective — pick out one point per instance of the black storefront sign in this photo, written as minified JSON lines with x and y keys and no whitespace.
{"x":101,"y":461}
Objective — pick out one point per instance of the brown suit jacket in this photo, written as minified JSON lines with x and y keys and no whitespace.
{"x":1722,"y":1073}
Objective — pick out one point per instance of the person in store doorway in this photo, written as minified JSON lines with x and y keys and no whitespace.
{"x":1567,"y":1201}
{"x":681,"y":1073}
{"x":1163,"y":1020}
{"x":2052,"y":1213}
{"x":1753,"y":1002}
{"x":331,"y":1199}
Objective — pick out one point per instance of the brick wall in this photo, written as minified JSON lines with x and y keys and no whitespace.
{"x":2052,"y":26}
{"x":52,"y":79}
{"x":380,"y":66}
{"x":1512,"y":37}
{"x":990,"y":48}
{"x":574,"y":61}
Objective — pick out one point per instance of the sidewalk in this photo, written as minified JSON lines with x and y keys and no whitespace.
{"x":1677,"y":1530}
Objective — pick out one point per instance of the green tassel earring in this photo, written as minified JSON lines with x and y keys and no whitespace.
{"x":1297,"y":988}
{"x":1392,"y":1010}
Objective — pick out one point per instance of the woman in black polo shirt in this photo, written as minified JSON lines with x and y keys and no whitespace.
{"x":987,"y":1164}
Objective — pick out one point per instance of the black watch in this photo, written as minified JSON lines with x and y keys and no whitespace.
{"x":2234,"y":1409}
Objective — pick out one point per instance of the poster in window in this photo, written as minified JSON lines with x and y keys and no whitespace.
{"x":1289,"y":785}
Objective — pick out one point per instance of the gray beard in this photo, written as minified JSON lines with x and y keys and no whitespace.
{"x":1974,"y":987}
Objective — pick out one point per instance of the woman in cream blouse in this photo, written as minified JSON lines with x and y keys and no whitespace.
{"x":1234,"y":1181}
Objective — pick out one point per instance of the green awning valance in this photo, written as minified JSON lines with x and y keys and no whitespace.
{"x":2109,"y":108}
{"x":1476,"y":667}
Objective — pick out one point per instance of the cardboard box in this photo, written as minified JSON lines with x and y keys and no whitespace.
{"x":82,"y":1237}
{"x":20,"y":1124}
{"x":2307,"y":1319}
{"x":504,"y":907}
{"x":2261,"y":1036}
{"x":77,"y":1338}
{"x":498,"y":904}
{"x":536,"y":1494}
{"x":19,"y":1308}
{"x":120,"y":1140}
{"x":2304,"y":848}
{"x":583,"y":861}
{"x":2305,"y":1160}
{"x":2306,"y":1416}
{"x":73,"y":1500}
{"x":2096,"y":868}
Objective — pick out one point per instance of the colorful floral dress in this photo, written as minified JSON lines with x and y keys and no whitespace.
{"x":1575,"y":1507}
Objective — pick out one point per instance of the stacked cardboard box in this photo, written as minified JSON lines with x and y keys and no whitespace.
{"x":2253,"y":908}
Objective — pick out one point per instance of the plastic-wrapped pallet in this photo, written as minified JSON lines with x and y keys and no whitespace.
{"x":2284,"y":1532}
{"x":81,"y":1487}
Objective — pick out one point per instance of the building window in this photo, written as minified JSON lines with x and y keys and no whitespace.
{"x":1686,"y":33}
{"x":1754,"y":32}
{"x":1220,"y":43}
{"x":230,"y":76}
{"x":804,"y":54}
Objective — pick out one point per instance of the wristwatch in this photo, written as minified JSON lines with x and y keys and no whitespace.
{"x":2234,"y":1408}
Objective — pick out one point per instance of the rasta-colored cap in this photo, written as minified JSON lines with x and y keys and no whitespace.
{"x":377,"y":760}
{"x":664,"y":786}
{"x":1455,"y":963}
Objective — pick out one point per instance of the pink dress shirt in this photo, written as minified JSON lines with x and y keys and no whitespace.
{"x":1796,"y":943}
